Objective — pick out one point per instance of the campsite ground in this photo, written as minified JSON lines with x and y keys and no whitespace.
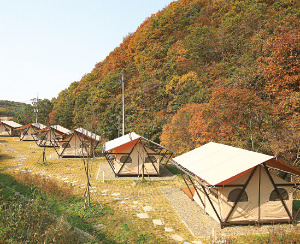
{"x":128,"y":200}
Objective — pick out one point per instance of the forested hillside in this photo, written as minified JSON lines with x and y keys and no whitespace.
{"x":200,"y":71}
{"x":9,"y":108}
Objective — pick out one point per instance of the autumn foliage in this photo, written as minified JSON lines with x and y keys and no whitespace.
{"x":200,"y":71}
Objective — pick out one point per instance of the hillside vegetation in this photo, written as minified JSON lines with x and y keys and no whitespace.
{"x":9,"y":108}
{"x":200,"y":71}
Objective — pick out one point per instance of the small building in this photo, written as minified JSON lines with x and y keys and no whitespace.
{"x":81,"y":143}
{"x":134,"y":155}
{"x":236,"y":186}
{"x":9,"y":128}
{"x":51,"y":135}
{"x":28,"y":132}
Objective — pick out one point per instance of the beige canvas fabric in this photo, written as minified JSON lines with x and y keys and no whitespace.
{"x":249,"y":211}
{"x":5,"y":130}
{"x":138,"y":156}
{"x":27,"y":135}
{"x":76,"y":147}
{"x":48,"y":138}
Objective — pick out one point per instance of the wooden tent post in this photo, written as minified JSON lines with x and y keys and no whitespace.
{"x":87,"y":200}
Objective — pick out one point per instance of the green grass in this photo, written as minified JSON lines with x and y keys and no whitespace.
{"x":296,"y":204}
{"x":36,"y":221}
{"x":28,"y":222}
{"x":173,"y":170}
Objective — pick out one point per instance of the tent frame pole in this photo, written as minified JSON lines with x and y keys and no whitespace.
{"x":277,"y":191}
{"x":211,"y":203}
{"x":239,"y":196}
{"x":186,"y":184}
{"x":149,"y":158}
{"x":127,"y":158}
{"x":110,"y":161}
{"x":67,"y":146}
{"x":168,"y":159}
{"x":196,"y":189}
{"x":295,"y":217}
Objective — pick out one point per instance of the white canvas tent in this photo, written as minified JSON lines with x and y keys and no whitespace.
{"x":81,"y":143}
{"x":8,"y":128}
{"x":49,"y":136}
{"x":132,"y":155}
{"x":235,"y":186}
{"x":28,"y":131}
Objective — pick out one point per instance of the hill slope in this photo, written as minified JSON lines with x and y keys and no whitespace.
{"x":197,"y":71}
{"x":9,"y":108}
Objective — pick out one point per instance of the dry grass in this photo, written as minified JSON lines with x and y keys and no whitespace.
{"x":124,"y":224}
{"x":69,"y":176}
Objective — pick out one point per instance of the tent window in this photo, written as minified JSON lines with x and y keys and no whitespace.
{"x":66,"y":145}
{"x":6,"y":129}
{"x":124,"y":159}
{"x":150,"y":159}
{"x":235,"y":193}
{"x":274,"y":196}
{"x":84,"y":145}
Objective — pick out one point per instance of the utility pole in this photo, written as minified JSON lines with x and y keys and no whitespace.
{"x":123,"y":105}
{"x":36,"y":109}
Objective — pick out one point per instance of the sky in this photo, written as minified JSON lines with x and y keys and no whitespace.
{"x":45,"y":45}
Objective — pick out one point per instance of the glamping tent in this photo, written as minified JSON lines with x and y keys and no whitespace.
{"x":133,"y":154}
{"x":28,"y":131}
{"x":81,"y":143}
{"x":49,"y":136}
{"x":236,"y":186}
{"x":8,"y":128}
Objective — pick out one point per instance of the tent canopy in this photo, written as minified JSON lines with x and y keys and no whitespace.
{"x":216,"y":163}
{"x":120,"y":141}
{"x":60,"y":129}
{"x":10,"y":123}
{"x":88,"y":134}
{"x":36,"y":125}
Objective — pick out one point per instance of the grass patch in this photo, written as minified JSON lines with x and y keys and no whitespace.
{"x":29,"y":222}
{"x":173,"y":169}
{"x":296,"y":204}
{"x":36,"y":221}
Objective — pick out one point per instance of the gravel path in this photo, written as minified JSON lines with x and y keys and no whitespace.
{"x":109,"y":174}
{"x":201,"y":225}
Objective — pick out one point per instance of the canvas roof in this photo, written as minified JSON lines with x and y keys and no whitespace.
{"x":214,"y":162}
{"x":88,"y":134}
{"x":11,"y":123}
{"x":120,"y":141}
{"x":60,"y":129}
{"x":37,"y":125}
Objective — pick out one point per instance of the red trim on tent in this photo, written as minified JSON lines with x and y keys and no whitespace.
{"x":125,"y":146}
{"x":278,"y":164}
{"x":228,"y":181}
